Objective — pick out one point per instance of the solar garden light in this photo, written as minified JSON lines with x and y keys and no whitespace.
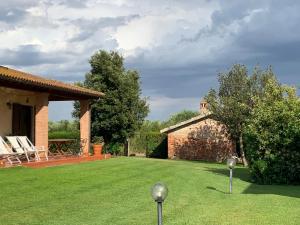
{"x":231,"y":164}
{"x":159,"y":193}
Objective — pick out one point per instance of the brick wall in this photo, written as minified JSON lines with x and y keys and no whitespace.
{"x":171,"y":145}
{"x":203,"y":140}
{"x":85,"y":124}
{"x":41,"y":121}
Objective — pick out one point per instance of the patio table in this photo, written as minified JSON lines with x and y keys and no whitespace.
{"x":60,"y":143}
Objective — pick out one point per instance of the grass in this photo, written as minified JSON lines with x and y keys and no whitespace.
{"x":117,"y":192}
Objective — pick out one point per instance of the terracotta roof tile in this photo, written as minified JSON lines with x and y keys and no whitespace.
{"x":26,"y":78}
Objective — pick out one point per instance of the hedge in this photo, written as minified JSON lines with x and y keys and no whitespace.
{"x":153,"y":144}
{"x":64,"y":134}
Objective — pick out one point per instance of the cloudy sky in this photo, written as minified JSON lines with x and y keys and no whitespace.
{"x":178,"y":46}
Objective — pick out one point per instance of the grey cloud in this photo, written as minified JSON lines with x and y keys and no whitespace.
{"x":82,"y":36}
{"x":18,"y":3}
{"x":266,"y":33}
{"x":155,"y":5}
{"x":76,"y":4}
{"x":14,"y":11}
{"x":28,"y":55}
{"x":69,"y":71}
{"x":271,"y":37}
{"x":231,"y":11}
{"x":89,"y":27}
{"x":73,"y":3}
{"x":18,"y":16}
{"x":39,"y":21}
{"x":271,"y":33}
{"x":12,"y":15}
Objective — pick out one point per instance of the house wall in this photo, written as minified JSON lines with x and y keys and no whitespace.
{"x":203,"y":140}
{"x":8,"y":96}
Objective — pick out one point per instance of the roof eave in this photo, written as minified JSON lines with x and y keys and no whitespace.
{"x":63,"y":90}
{"x":184,"y":123}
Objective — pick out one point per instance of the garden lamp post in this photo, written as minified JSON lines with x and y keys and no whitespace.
{"x":159,"y":193}
{"x":231,"y":164}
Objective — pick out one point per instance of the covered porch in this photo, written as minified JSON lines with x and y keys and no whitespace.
{"x":24,"y":100}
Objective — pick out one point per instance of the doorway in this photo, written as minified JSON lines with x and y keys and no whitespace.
{"x":22,"y":121}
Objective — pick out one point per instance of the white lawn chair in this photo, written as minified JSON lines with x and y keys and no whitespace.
{"x":7,"y":153}
{"x":28,"y":146}
{"x":20,"y":150}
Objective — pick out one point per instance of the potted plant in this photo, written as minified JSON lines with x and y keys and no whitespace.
{"x":97,"y":145}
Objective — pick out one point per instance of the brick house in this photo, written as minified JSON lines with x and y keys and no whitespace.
{"x":199,"y":138}
{"x":24,"y":100}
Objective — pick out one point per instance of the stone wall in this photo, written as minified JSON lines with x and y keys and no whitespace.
{"x":203,"y":140}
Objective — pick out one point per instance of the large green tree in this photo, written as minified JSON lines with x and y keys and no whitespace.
{"x":122,"y":110}
{"x":233,"y":102}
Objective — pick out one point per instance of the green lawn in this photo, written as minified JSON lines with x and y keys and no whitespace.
{"x":117,"y":192}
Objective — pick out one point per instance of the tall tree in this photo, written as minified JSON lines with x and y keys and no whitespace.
{"x":122,"y":110}
{"x":179,"y":117}
{"x":233,"y":103}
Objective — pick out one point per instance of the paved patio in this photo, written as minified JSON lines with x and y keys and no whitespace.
{"x":60,"y":160}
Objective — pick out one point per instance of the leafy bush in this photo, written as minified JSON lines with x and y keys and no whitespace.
{"x":156,"y":145}
{"x":64,"y":134}
{"x":64,"y":129}
{"x":113,"y":148}
{"x":153,"y":144}
{"x":258,"y":171}
{"x":97,"y":140}
{"x":272,"y":137}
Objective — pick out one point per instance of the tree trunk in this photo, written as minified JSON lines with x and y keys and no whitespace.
{"x":126,"y":148}
{"x":242,"y":150}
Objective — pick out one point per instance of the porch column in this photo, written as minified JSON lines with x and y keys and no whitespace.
{"x":85,"y":125}
{"x":41,"y":121}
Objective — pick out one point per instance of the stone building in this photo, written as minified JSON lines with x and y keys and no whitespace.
{"x":199,"y":138}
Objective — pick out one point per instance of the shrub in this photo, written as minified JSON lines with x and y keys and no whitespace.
{"x":64,"y":129}
{"x":272,"y":137}
{"x":258,"y":170}
{"x":156,"y":145}
{"x":153,"y":144}
{"x":64,"y":134}
{"x":113,"y":148}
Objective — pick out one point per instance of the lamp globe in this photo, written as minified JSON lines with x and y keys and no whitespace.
{"x":159,"y":192}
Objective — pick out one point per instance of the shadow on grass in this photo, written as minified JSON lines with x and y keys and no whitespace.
{"x":283,"y":190}
{"x":215,"y":189}
{"x":244,"y":175}
{"x":240,"y":173}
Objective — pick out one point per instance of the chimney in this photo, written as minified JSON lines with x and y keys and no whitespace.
{"x":203,"y":107}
